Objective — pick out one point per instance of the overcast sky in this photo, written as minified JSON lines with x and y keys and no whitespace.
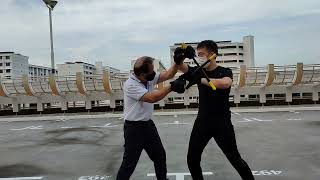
{"x":285,"y":31}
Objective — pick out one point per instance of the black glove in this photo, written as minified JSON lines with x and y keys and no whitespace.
{"x":178,"y":85}
{"x":190,"y":52}
{"x":193,"y":78}
{"x":179,"y":55}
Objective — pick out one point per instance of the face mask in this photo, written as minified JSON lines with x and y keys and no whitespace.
{"x":150,"y":77}
{"x":202,"y":60}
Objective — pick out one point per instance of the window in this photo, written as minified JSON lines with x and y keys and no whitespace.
{"x":7,"y":64}
{"x":279,"y":95}
{"x":241,"y":47}
{"x":230,"y":54}
{"x":230,"y":61}
{"x":227,"y":47}
{"x":1,"y":71}
{"x":307,"y":94}
{"x":0,"y":57}
{"x":241,"y":61}
{"x":241,"y":54}
{"x":8,"y":70}
{"x":7,"y":57}
{"x":0,"y":63}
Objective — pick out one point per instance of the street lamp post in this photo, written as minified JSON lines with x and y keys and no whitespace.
{"x":51,"y":4}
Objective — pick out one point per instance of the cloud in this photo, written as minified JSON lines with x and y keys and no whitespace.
{"x":117,"y":31}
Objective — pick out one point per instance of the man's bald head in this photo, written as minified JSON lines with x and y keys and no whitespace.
{"x":144,"y":65}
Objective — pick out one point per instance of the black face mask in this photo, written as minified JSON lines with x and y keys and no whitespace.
{"x":150,"y":77}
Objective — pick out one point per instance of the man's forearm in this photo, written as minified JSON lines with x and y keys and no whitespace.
{"x":218,"y":83}
{"x":155,"y":96}
{"x":163,"y":92}
{"x":183,"y":67}
{"x":172,"y":71}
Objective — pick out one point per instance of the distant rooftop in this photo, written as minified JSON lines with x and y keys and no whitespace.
{"x":32,"y":65}
{"x":177,"y":44}
{"x":6,"y":52}
{"x":78,"y":62}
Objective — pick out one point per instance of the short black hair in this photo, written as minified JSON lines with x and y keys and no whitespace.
{"x":210,"y":45}
{"x":142,"y":65}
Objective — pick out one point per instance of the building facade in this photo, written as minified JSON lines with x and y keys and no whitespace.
{"x":231,"y":54}
{"x":71,"y":68}
{"x":100,"y":67}
{"x":36,"y":71}
{"x":13,"y":65}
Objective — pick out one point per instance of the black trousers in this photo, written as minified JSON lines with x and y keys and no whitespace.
{"x":223,"y":133}
{"x":140,"y":136}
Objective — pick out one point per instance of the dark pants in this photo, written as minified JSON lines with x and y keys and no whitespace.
{"x":223,"y":133}
{"x":138,"y":136}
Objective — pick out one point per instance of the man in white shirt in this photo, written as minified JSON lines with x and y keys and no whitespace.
{"x":140,"y":133}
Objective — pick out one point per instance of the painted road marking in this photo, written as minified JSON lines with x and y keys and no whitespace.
{"x":22,"y":178}
{"x":175,"y":123}
{"x":66,"y":127}
{"x":96,"y":177}
{"x":108,"y":125}
{"x":266,"y":173}
{"x":294,"y":119}
{"x":105,"y":126}
{"x":296,"y":112}
{"x":180,"y":176}
{"x":260,"y":119}
{"x":30,"y":127}
{"x":246,"y":120}
{"x":254,"y":119}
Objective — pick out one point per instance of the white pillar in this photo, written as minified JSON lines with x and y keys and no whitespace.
{"x":40,"y":106}
{"x":263,"y":95}
{"x":112,"y":102}
{"x":289,"y":94}
{"x":15,"y":107}
{"x":315,"y":94}
{"x":88,"y":105}
{"x":236,"y":96}
{"x":64,"y":106}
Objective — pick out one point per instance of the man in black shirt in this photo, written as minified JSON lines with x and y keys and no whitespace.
{"x":214,"y":116}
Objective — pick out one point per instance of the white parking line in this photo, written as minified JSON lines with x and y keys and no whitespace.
{"x":30,"y":127}
{"x":22,"y":178}
{"x":180,"y":176}
{"x":175,"y":123}
{"x":66,"y":127}
{"x":96,"y":177}
{"x":105,"y":126}
{"x":246,"y":120}
{"x":254,"y":119}
{"x":294,"y":119}
{"x":260,"y":119}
